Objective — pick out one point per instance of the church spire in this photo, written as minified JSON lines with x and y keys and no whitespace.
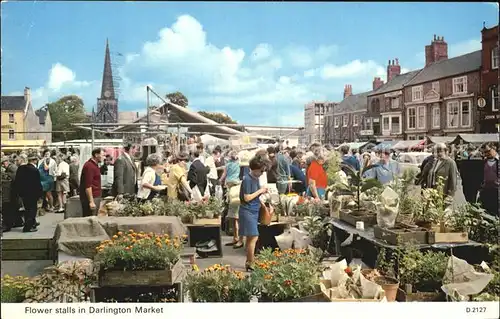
{"x":108,"y":89}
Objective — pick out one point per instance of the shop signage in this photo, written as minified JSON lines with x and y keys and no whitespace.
{"x":366,"y":132}
{"x":481,"y":102}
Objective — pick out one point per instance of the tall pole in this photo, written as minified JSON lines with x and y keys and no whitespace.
{"x":320,"y":118}
{"x":147,"y":105}
{"x":93,"y":137}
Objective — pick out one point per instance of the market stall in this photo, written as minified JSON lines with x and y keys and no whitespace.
{"x":475,"y":139}
{"x":385,"y":145}
{"x":407,"y":145}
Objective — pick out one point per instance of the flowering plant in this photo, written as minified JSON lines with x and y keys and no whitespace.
{"x":218,"y":284}
{"x":14,"y":288}
{"x":285,"y":275}
{"x":139,"y":251}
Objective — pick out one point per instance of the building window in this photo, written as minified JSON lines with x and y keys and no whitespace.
{"x":452,"y":114}
{"x":421,"y":116}
{"x":460,"y":85}
{"x":411,"y":137}
{"x":368,"y":124}
{"x":355,"y":120}
{"x":11,"y":118}
{"x":336,"y":121}
{"x":395,"y":102}
{"x":385,"y":123}
{"x":412,"y":118}
{"x":494,"y":58}
{"x":435,"y":86}
{"x":416,"y":93}
{"x":11,"y":134}
{"x":436,"y":117}
{"x":494,"y":99}
{"x":395,"y":125}
{"x":465,"y":113}
{"x":344,"y":121}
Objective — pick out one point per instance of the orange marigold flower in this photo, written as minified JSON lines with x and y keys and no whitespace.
{"x":268,"y":277}
{"x":115,"y":237}
{"x":119,"y":233}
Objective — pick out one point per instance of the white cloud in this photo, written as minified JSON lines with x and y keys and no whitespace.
{"x":261,"y":52}
{"x":302,"y":57}
{"x":464,"y":47}
{"x":60,"y":76}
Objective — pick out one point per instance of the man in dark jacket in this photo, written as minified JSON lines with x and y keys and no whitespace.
{"x":28,"y":186}
{"x":197,"y":174}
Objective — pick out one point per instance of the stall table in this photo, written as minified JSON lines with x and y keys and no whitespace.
{"x":203,"y":230}
{"x":472,"y":251}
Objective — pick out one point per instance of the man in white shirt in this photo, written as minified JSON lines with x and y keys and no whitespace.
{"x":212,"y":175}
{"x":62,"y":182}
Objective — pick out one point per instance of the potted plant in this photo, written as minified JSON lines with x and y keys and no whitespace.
{"x":284,"y":276}
{"x":218,"y":283}
{"x":213,"y":208}
{"x":358,"y":184}
{"x":139,"y":259}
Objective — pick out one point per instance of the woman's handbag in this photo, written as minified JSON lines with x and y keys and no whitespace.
{"x":265,"y":214}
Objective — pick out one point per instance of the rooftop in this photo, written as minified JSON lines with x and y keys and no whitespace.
{"x":396,"y":83}
{"x":13,"y":103}
{"x":446,"y":68}
{"x":353,"y":103}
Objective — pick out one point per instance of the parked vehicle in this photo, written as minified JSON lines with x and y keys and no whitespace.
{"x":411,"y":160}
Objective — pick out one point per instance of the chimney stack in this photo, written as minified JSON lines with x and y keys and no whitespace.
{"x":27,"y":95}
{"x":393,"y":70}
{"x":347,"y":90}
{"x":436,"y":51}
{"x":377,"y":82}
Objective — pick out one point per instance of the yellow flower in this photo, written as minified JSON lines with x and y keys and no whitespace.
{"x":196,"y":268}
{"x":115,"y":237}
{"x":131,"y":231}
{"x":119,"y":233}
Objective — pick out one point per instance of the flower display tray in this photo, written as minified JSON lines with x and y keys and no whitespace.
{"x":120,"y":278}
{"x":436,"y":237}
{"x":401,"y":234}
{"x":351,"y":217}
{"x":167,"y":293}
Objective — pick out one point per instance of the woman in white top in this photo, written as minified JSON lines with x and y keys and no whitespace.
{"x":148,"y":189}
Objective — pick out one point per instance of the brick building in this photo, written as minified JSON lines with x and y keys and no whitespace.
{"x":440,"y":100}
{"x":384,"y":117}
{"x":343,"y":123}
{"x":489,"y":114}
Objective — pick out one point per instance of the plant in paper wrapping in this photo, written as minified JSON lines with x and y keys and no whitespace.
{"x":285,"y":275}
{"x":387,"y":208}
{"x":219,"y":283}
{"x":314,"y":226}
{"x":138,"y":251}
{"x":349,"y":283}
{"x":461,"y":279}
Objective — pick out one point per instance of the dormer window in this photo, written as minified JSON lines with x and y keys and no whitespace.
{"x":416,"y":93}
{"x":460,"y":85}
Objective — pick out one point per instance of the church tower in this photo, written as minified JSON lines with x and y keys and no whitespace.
{"x":107,"y":104}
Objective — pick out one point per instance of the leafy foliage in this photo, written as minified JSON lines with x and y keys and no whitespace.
{"x":138,"y":251}
{"x":178,"y":98}
{"x":359,"y":183}
{"x":67,"y":282}
{"x":473,"y":219}
{"x":285,"y":275}
{"x":65,"y":111}
{"x":218,"y":284}
{"x":14,"y":288}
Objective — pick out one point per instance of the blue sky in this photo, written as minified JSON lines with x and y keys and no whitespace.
{"x":258,"y":62}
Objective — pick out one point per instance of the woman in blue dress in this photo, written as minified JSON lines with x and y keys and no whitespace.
{"x":250,"y":203}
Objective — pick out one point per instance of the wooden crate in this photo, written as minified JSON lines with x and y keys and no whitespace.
{"x":400,"y":236}
{"x":437,"y":237}
{"x":203,"y":232}
{"x":117,"y":278}
{"x":134,"y":293}
{"x":351,"y":218}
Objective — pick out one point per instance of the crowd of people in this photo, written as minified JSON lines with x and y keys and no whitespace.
{"x":241,"y":177}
